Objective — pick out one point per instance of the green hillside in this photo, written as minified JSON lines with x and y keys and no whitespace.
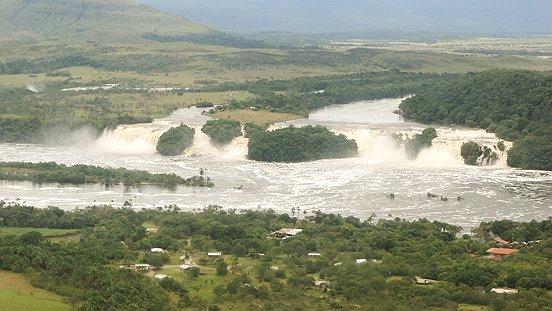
{"x":88,"y":19}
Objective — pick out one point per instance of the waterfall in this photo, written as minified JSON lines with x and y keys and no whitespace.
{"x":377,"y":146}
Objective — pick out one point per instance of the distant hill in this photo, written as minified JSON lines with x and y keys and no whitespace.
{"x":89,"y":19}
{"x":331,"y":16}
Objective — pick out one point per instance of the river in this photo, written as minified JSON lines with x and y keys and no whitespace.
{"x":355,"y":186}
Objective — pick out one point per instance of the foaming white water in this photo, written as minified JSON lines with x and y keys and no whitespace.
{"x":202,"y":146}
{"x":353,"y":186}
{"x":120,"y":142}
{"x":142,"y":138}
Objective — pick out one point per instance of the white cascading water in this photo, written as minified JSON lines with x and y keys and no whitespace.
{"x":354,"y":186}
{"x":376,"y":145}
{"x":143,"y":138}
{"x":129,"y":139}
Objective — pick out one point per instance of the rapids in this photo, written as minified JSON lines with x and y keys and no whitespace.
{"x":354,"y":186}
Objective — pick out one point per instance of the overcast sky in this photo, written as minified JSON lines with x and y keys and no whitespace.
{"x":456,"y":16}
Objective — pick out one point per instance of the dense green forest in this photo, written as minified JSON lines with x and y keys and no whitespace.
{"x":298,"y":144}
{"x":87,"y":174}
{"x":222,"y":131}
{"x":174,"y":141}
{"x":250,"y":129}
{"x":303,"y":95}
{"x":516,"y":105}
{"x":260,"y":272}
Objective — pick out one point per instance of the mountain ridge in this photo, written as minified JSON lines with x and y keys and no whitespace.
{"x":89,"y":19}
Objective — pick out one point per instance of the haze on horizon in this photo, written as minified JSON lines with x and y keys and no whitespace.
{"x":491,"y":17}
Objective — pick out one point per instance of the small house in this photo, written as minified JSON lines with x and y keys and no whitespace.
{"x":160,"y":276}
{"x":321,"y":283}
{"x":214,"y":254}
{"x":337,"y":264}
{"x":157,"y":250}
{"x":285,"y":233}
{"x":504,"y":290}
{"x":498,"y":252}
{"x":141,"y":267}
{"x":152,"y":230}
{"x":500,"y":240}
{"x":361,"y":261}
{"x":186,"y":267}
{"x":313,"y":255}
{"x":423,"y":281}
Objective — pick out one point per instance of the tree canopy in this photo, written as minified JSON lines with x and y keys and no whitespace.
{"x":298,"y":144}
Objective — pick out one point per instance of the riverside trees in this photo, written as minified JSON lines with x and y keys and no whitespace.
{"x":514,"y":104}
{"x":400,"y":251}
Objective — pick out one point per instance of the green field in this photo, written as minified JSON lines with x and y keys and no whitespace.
{"x":17,"y":294}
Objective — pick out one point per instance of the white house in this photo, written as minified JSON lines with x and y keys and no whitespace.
{"x":361,"y":261}
{"x":160,"y":276}
{"x":504,"y":290}
{"x":186,"y":267}
{"x":157,"y":250}
{"x":214,"y":254}
{"x":141,"y":267}
{"x":338,"y":264}
{"x":321,"y":283}
{"x":314,"y":254}
{"x":423,"y":281}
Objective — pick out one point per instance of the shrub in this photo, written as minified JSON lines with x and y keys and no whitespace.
{"x":420,"y":141}
{"x":222,"y":131}
{"x":174,"y":141}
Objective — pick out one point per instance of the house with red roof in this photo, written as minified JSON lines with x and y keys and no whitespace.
{"x":498,"y":252}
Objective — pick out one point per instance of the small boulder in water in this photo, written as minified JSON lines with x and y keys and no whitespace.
{"x":444,"y":199}
{"x":431,"y":195}
{"x":391,"y":196}
{"x":460,"y":198}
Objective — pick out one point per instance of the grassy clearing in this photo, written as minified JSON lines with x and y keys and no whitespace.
{"x":17,"y":294}
{"x":467,"y":307}
{"x":48,"y":233}
{"x":259,"y":117}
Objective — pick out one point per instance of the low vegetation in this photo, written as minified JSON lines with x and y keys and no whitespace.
{"x":174,"y":141}
{"x":257,"y":271}
{"x":515,"y":105}
{"x":17,"y":293}
{"x":210,"y":38}
{"x":303,"y":95}
{"x":299,"y":144}
{"x":222,"y":131}
{"x":87,"y":174}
